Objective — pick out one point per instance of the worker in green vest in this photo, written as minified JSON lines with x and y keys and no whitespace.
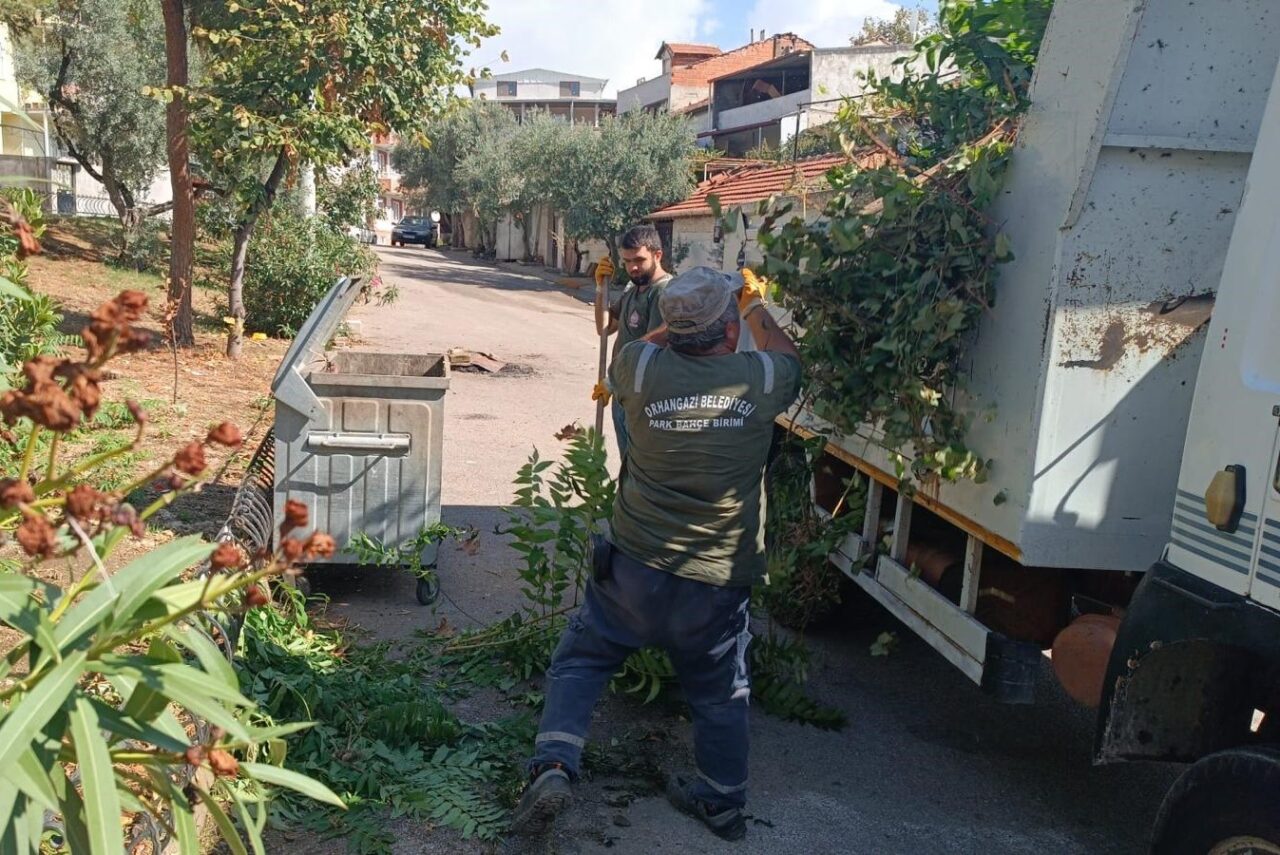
{"x":634,"y":314}
{"x":687,"y":542}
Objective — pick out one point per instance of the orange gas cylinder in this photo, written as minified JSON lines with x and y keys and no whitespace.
{"x":1080,"y":656}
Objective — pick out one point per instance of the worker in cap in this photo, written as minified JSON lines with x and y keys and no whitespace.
{"x":634,"y":314}
{"x":687,"y":541}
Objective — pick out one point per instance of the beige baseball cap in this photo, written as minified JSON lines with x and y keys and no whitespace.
{"x":696,"y":299}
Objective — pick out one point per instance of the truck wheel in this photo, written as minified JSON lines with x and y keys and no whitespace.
{"x":1223,"y":805}
{"x":428,"y":590}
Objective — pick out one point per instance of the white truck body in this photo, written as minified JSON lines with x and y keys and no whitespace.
{"x":1120,"y":205}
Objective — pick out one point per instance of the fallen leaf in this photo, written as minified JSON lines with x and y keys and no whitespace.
{"x":444,"y":630}
{"x":569,"y":432}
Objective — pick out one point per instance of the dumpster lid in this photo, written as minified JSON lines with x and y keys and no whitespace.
{"x":290,"y":386}
{"x":318,"y":329}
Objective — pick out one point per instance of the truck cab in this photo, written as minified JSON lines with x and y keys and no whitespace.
{"x":1195,"y":672}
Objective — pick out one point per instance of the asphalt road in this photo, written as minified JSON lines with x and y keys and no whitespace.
{"x":928,"y":763}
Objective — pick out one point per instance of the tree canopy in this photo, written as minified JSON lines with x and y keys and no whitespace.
{"x":905,"y":28}
{"x":288,"y":83}
{"x":92,"y":62}
{"x":601,"y":180}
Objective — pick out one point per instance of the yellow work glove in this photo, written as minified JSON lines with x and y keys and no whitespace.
{"x":600,"y":393}
{"x":604,"y":271}
{"x":753,"y":289}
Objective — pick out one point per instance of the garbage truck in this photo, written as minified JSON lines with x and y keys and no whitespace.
{"x":1128,"y":377}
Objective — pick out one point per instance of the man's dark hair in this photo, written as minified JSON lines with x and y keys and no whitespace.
{"x":643,"y":236}
{"x":699,"y":343}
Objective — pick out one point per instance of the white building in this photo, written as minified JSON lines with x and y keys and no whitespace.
{"x":769,"y":103}
{"x":571,"y":97}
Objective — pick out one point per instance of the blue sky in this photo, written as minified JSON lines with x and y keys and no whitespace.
{"x":617,"y":39}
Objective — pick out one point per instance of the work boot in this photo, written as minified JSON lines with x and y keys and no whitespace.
{"x":548,"y":795}
{"x":727,"y":823}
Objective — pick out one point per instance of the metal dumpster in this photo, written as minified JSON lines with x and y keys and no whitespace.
{"x":359,"y":436}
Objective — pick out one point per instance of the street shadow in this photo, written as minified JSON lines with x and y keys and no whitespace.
{"x":457,"y":268}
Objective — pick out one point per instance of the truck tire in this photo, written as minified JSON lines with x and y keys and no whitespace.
{"x":1226,"y":804}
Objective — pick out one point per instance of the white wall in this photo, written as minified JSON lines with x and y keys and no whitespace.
{"x":537,"y":85}
{"x":642,"y":94}
{"x":764,"y":111}
{"x":838,"y":72}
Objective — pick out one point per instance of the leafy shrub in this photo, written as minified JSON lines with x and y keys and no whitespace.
{"x":117,"y":688}
{"x":293,"y":262}
{"x":144,"y":251}
{"x":347,"y":198}
{"x":28,"y":322}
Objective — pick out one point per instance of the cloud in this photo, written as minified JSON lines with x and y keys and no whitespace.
{"x":614,"y":39}
{"x":826,"y":23}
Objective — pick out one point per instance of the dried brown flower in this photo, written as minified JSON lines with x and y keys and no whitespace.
{"x":126,"y":515}
{"x":225,"y":434}
{"x":135,"y":410}
{"x":254,"y":596}
{"x":83,"y":385}
{"x":83,"y":502}
{"x":28,"y":244}
{"x":45,"y":402}
{"x":224,"y":765}
{"x":190,"y":459}
{"x":14,"y":492}
{"x":320,"y":545}
{"x":296,"y":515}
{"x":291,"y":548}
{"x":36,"y":536}
{"x":226,"y":557}
{"x":195,"y":755}
{"x":110,"y":321}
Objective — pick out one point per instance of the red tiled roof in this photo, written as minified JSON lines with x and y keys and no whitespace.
{"x":702,"y":72}
{"x":760,"y":181}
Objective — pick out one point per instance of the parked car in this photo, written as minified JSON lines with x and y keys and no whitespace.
{"x":414,"y":230}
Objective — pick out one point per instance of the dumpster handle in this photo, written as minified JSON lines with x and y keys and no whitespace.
{"x":357,"y":442}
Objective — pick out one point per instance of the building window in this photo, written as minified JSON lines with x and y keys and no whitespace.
{"x":506,"y":89}
{"x":570,"y":89}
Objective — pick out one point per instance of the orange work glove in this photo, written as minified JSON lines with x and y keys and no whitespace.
{"x":600,"y":393}
{"x":753,"y":289}
{"x":604,"y":271}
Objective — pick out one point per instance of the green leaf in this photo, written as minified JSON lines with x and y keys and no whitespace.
{"x":186,"y":687}
{"x":144,"y":702}
{"x":292,"y":781}
{"x":31,"y":777}
{"x":20,"y":601}
{"x":210,"y":656}
{"x":130,"y":587}
{"x":14,"y":292}
{"x":1003,"y":249}
{"x":184,"y":823}
{"x":127,"y":727}
{"x":225,"y":826}
{"x":29,"y":713}
{"x":252,"y":827}
{"x":97,"y":776}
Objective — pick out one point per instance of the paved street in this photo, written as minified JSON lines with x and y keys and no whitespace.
{"x":928,"y":763}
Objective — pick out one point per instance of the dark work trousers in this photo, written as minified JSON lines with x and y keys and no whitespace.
{"x":703,"y":627}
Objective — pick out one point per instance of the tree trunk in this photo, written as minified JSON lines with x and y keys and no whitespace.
{"x":183,"y":228}
{"x":526,"y":225}
{"x":235,"y":292}
{"x":240,"y":253}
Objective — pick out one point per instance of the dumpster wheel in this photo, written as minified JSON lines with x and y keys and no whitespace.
{"x":428,"y":590}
